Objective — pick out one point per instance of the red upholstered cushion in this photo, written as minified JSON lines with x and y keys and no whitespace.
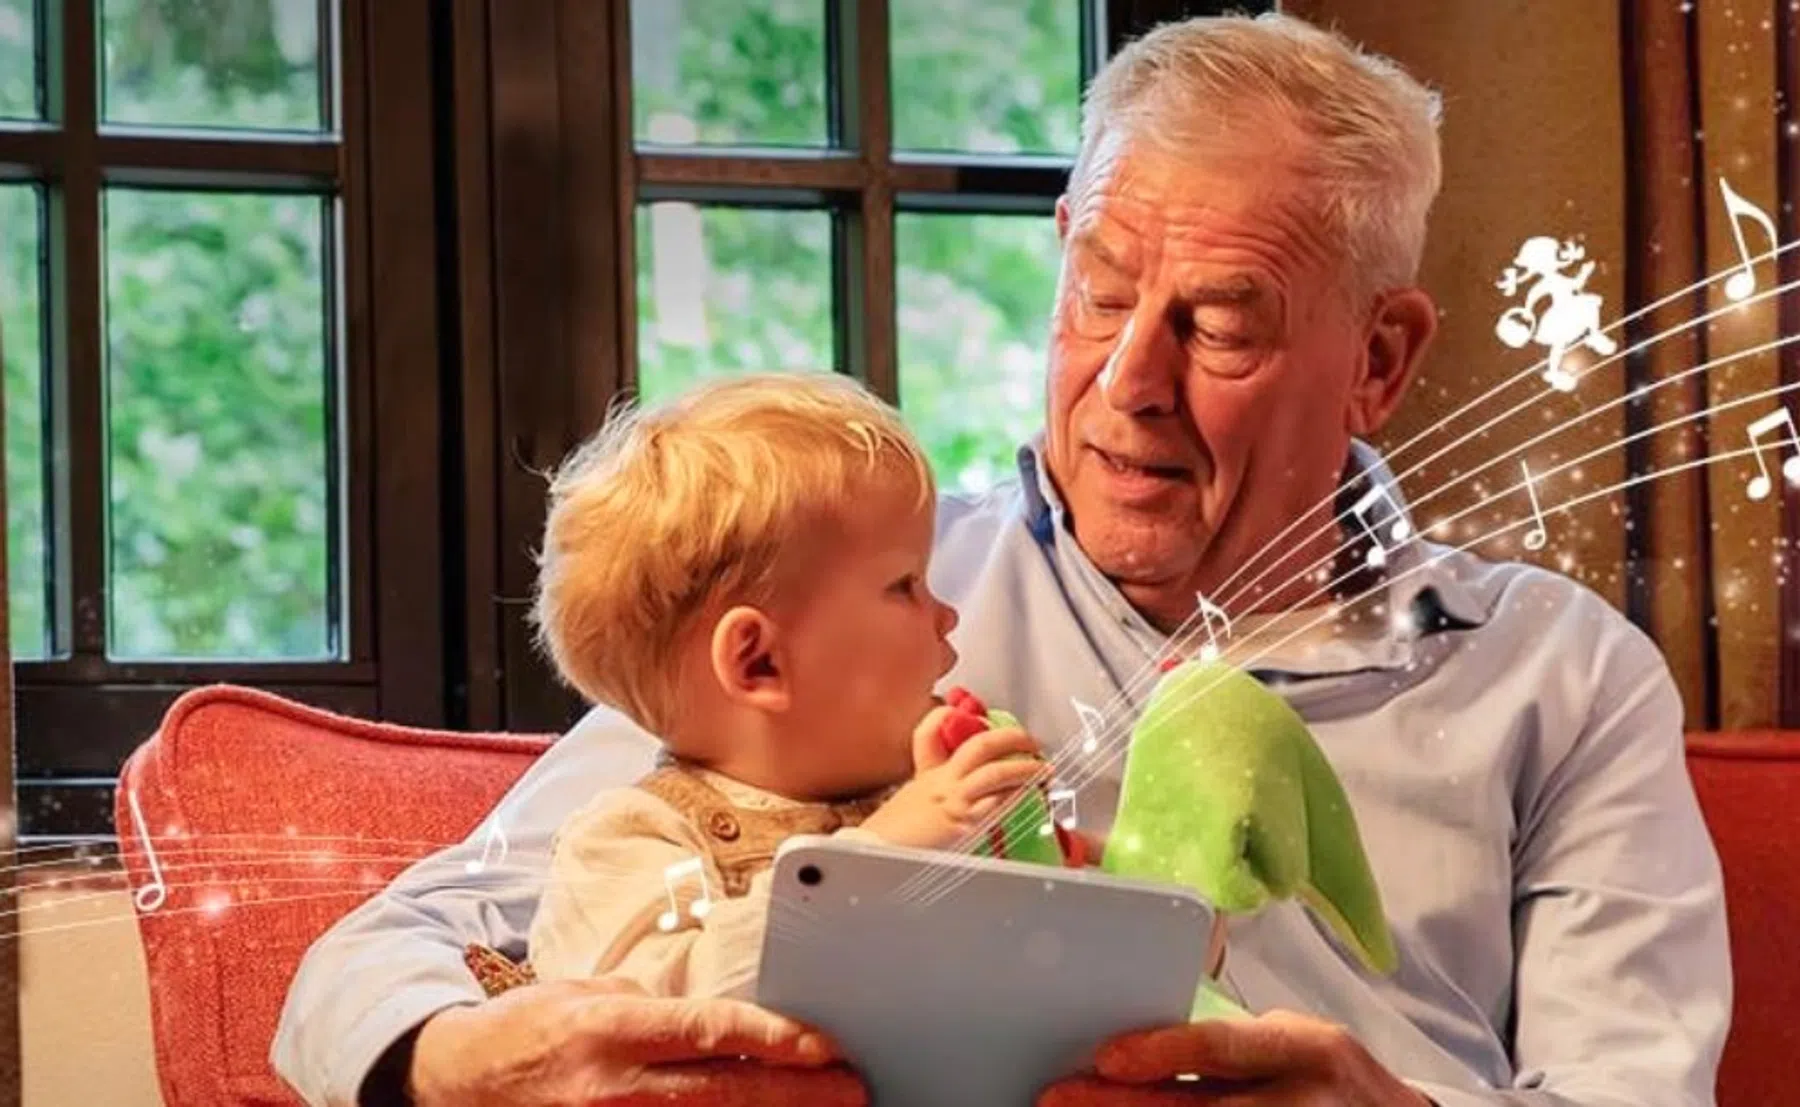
{"x":1749,"y":787}
{"x":270,"y":820}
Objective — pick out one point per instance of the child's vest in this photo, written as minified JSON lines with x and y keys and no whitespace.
{"x":741,"y":841}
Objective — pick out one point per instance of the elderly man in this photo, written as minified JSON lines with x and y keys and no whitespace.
{"x":1236,"y":310}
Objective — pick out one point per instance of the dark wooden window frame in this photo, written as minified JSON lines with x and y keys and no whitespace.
{"x":80,"y":713}
{"x":548,"y":180}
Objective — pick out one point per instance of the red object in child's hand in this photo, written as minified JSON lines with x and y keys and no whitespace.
{"x":1073,"y":846}
{"x":964,"y":700}
{"x":967,"y":718}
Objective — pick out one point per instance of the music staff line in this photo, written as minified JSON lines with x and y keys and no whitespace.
{"x":1138,"y":681}
{"x":1483,"y":466}
{"x":948,"y":879}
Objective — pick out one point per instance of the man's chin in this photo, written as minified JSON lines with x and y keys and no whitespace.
{"x":1128,"y":548}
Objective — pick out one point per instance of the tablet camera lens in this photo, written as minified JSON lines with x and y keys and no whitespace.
{"x":810,"y":875}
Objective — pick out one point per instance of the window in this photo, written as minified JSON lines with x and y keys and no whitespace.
{"x":734,"y":103}
{"x":190,"y":224}
{"x":701,"y":187}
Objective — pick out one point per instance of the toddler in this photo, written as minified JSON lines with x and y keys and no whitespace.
{"x":742,"y":571}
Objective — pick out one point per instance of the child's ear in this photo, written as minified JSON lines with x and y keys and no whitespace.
{"x":748,"y":659}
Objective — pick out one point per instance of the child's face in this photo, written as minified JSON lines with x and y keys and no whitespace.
{"x":869,"y":643}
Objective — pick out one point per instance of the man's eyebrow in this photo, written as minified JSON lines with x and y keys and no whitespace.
{"x":1231,"y":292}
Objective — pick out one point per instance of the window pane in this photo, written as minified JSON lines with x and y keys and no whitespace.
{"x":18,"y":60}
{"x":729,"y":290}
{"x":217,"y":414}
{"x":974,"y":297}
{"x":990,"y":78}
{"x":21,"y":343}
{"x":247,"y":63}
{"x":728,"y":72}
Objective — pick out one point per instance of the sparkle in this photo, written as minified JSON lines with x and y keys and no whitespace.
{"x":1404,"y":625}
{"x":215,"y":903}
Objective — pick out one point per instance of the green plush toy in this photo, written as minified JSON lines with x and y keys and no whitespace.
{"x":1226,"y":792}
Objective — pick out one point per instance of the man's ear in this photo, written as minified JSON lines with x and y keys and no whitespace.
{"x":1062,"y":218}
{"x":1400,"y":329}
{"x":748,"y":659}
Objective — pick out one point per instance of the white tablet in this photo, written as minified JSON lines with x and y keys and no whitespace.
{"x":951,"y":979}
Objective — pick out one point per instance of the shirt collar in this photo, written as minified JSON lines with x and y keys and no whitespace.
{"x":1418,"y":580}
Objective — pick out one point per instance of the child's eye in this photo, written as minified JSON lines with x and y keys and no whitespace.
{"x":906,"y":584}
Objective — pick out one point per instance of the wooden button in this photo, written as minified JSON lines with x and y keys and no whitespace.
{"x":723,"y":826}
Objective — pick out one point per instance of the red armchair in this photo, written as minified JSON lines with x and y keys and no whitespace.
{"x":252,"y":798}
{"x":1749,"y":786}
{"x":270,"y":821}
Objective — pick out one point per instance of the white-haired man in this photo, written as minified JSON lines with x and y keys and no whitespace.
{"x":1236,"y":310}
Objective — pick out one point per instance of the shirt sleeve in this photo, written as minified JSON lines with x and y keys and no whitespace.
{"x":625,"y":878}
{"x":1622,"y":986}
{"x":396,"y":960}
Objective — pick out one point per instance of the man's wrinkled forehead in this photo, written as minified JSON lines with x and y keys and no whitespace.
{"x":1143,"y":206}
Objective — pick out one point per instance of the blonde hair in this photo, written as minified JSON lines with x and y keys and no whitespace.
{"x":1370,"y":129}
{"x":684,"y":508}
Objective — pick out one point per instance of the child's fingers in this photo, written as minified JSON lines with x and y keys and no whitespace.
{"x":982,"y":808}
{"x":991,"y":746}
{"x":927,"y":749}
{"x":1003,"y":777}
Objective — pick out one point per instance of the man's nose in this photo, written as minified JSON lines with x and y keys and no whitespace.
{"x":1140,"y":378}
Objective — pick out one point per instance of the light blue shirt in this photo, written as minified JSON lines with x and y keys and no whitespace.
{"x":1512,"y":750}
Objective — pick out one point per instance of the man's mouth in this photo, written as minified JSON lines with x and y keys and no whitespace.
{"x":1129,"y":466}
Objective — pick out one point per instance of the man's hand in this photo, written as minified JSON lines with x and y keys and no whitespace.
{"x":951,"y":794}
{"x":605,"y":1044}
{"x":1275,"y":1060}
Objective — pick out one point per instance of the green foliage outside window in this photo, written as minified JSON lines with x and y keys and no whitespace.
{"x":18,"y":60}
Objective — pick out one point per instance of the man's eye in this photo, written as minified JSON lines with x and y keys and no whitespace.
{"x":1218,"y":340}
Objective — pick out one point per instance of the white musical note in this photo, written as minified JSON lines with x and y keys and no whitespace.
{"x":151,"y":896}
{"x":1536,"y":536}
{"x":496,"y":835}
{"x":1398,"y":531}
{"x":1760,"y":486}
{"x":1741,"y":284}
{"x":1093,"y":724}
{"x":1064,"y":797}
{"x":675,"y":874}
{"x":1208,"y":612}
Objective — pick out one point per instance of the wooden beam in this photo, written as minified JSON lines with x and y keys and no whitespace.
{"x":11,"y":1083}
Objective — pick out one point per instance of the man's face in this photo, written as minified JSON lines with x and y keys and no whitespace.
{"x":1203,"y":368}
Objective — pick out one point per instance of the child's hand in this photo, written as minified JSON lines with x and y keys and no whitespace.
{"x":951,"y":795}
